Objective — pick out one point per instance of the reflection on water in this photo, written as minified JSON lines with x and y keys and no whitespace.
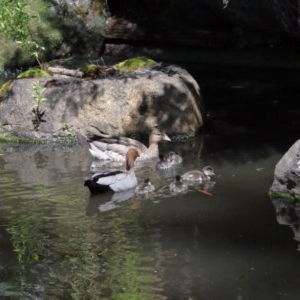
{"x":58,"y":242}
{"x":288,"y":213}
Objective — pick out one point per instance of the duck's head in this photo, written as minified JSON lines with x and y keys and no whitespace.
{"x":178,"y":178}
{"x":161,"y":157}
{"x":131,"y":155}
{"x":208,"y":171}
{"x":158,"y":135}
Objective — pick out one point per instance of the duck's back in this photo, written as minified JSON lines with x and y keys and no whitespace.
{"x":194,"y":175}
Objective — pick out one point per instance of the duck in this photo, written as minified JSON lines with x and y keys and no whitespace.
{"x":116,"y":181}
{"x":174,"y":158}
{"x":200,"y":176}
{"x":144,"y":187}
{"x":108,"y":147}
{"x":178,"y":185}
{"x":162,"y":163}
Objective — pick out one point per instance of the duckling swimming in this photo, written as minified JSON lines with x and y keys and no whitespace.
{"x":144,"y":187}
{"x":163,"y":164}
{"x":174,"y":158}
{"x":178,"y":186}
{"x":199,"y":176}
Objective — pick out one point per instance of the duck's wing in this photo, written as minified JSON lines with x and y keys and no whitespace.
{"x":115,"y":143}
{"x":108,"y":178}
{"x":117,"y":181}
{"x":192,"y":175}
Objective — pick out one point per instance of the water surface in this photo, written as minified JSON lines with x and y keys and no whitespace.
{"x":58,"y":242}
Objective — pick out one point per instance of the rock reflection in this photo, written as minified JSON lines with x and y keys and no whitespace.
{"x":40,"y":159}
{"x":288,"y":213}
{"x":35,"y":165}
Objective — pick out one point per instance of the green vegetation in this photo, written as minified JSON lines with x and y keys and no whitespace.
{"x":5,"y":88}
{"x":135,"y":63}
{"x":91,"y":70}
{"x":284,"y":195}
{"x":14,"y":19}
{"x":6,"y":137}
{"x":33,"y":73}
{"x":37,"y":95}
{"x":25,"y":28}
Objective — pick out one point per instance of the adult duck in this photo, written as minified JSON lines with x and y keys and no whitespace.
{"x":199,"y":176}
{"x":178,"y":185}
{"x":107,"y":147}
{"x":116,"y":181}
{"x":144,"y":187}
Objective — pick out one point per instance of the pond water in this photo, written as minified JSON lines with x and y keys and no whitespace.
{"x":58,"y":242}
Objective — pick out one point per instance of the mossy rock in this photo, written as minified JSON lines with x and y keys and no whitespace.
{"x":33,"y":73}
{"x":135,"y":63}
{"x":5,"y":88}
{"x":91,"y":70}
{"x":284,"y":195}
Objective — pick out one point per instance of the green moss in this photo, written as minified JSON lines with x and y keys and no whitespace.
{"x":45,"y":37}
{"x":90,"y":70}
{"x":5,"y":88}
{"x":135,"y":63}
{"x":283,"y":195}
{"x":6,"y":137}
{"x":33,"y":73}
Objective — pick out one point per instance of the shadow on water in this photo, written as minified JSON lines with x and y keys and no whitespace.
{"x":58,"y":242}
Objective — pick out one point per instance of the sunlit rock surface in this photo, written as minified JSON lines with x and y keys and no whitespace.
{"x":287,"y":174}
{"x":164,"y":95}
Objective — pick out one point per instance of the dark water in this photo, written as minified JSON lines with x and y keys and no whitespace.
{"x":57,"y":242}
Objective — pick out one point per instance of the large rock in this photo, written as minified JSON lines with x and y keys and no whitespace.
{"x":167,"y":96}
{"x":286,"y":181}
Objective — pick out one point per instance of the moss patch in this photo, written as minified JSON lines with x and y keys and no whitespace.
{"x":6,"y":137}
{"x":135,"y":63}
{"x":33,"y":73}
{"x":91,"y":70}
{"x":5,"y":88}
{"x":284,"y":195}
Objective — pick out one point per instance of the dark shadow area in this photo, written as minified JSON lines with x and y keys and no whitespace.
{"x":250,"y":109}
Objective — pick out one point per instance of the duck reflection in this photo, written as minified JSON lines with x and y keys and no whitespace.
{"x":101,"y":203}
{"x":288,"y":213}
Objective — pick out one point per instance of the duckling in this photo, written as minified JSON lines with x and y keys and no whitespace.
{"x":174,"y":158}
{"x":178,"y":186}
{"x":107,"y":147}
{"x":163,"y":164}
{"x":116,"y":181}
{"x":199,"y":176}
{"x":144,"y":187}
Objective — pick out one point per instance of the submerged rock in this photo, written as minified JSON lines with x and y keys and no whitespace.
{"x":164,"y":95}
{"x":286,"y":183}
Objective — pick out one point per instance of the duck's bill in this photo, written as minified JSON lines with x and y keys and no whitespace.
{"x":165,"y":137}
